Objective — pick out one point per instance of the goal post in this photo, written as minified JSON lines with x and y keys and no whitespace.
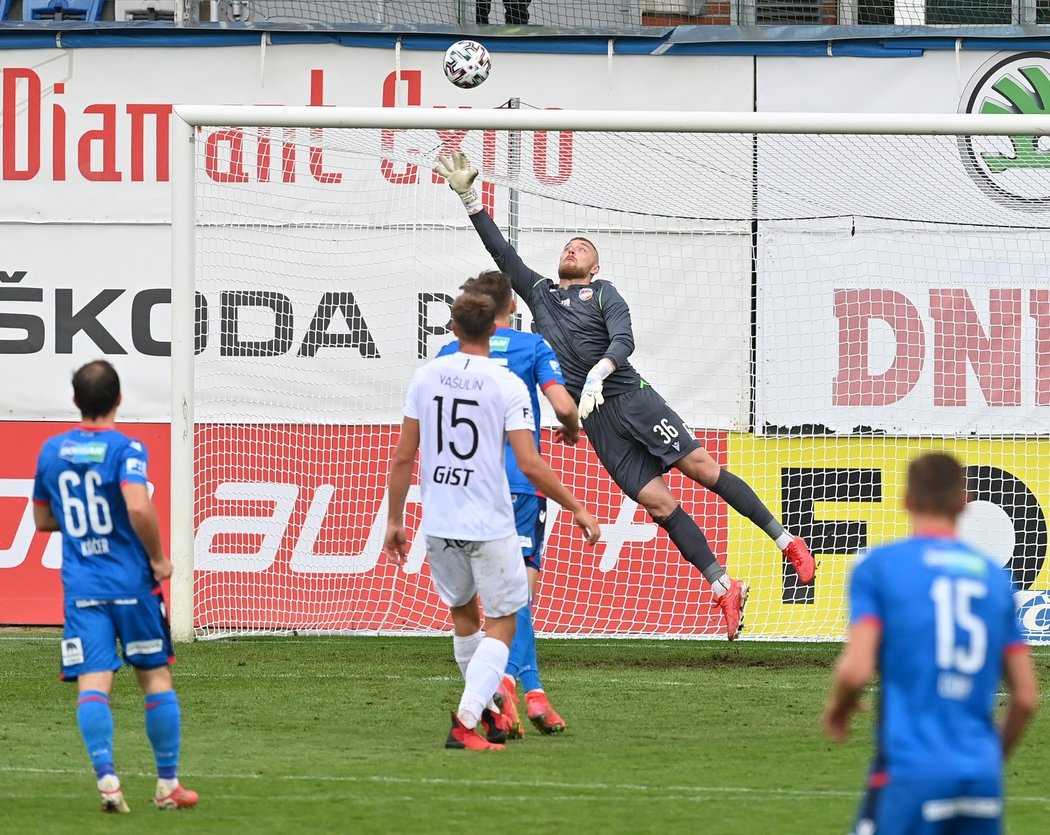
{"x":820,"y":296}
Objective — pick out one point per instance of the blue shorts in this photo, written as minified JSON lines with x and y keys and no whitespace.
{"x":932,"y":806}
{"x":89,"y":641}
{"x":530,"y":518}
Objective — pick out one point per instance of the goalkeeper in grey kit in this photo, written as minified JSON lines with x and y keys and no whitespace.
{"x":636,"y":435}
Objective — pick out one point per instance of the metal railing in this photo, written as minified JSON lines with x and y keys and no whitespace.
{"x":532,"y":16}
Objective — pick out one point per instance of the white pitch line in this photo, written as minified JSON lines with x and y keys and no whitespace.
{"x":1038,"y":650}
{"x":505,"y":799}
{"x":515,"y":785}
{"x":181,"y":674}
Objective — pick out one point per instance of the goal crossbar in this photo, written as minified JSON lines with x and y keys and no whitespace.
{"x":908,"y":124}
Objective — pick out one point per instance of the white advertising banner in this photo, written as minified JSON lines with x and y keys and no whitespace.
{"x":86,"y":133}
{"x":329,"y":331}
{"x":85,"y":167}
{"x":905,"y":331}
{"x":72,"y":293}
{"x":915,"y":298}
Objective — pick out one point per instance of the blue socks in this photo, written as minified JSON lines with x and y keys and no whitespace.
{"x":523,"y":664}
{"x":163,"y":727}
{"x":96,"y":727}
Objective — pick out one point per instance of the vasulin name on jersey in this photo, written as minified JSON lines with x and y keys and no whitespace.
{"x":462,"y":383}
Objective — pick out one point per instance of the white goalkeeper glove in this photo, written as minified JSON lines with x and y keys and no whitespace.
{"x":460,"y":175}
{"x":591,"y":397}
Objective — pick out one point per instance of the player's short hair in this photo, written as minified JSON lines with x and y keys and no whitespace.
{"x":589,"y":242}
{"x":474,"y":315}
{"x":495,"y":285}
{"x":936,"y":485}
{"x":96,"y":389}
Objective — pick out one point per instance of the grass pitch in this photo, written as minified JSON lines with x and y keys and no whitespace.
{"x":346,"y":735}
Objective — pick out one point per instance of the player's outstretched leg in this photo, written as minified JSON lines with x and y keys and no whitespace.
{"x":799,"y":556}
{"x":731,"y":603}
{"x":730,"y":595}
{"x":463,"y":738}
{"x":739,"y":495}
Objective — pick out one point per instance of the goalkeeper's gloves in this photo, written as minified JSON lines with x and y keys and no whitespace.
{"x":591,"y":397}
{"x":460,"y":175}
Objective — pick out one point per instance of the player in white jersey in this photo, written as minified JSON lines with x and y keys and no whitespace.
{"x":460,"y":411}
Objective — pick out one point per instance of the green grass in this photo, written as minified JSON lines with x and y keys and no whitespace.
{"x":346,"y":735}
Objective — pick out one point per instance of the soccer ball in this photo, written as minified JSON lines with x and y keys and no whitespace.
{"x":467,"y":64}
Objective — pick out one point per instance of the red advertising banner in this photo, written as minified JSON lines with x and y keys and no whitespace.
{"x":30,"y":562}
{"x":291,"y":520}
{"x":289,"y":530}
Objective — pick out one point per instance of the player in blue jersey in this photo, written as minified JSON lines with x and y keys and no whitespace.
{"x":91,"y":484}
{"x":533,"y":361}
{"x":937,"y":619}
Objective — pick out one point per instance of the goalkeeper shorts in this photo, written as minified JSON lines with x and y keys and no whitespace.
{"x":638,"y":437}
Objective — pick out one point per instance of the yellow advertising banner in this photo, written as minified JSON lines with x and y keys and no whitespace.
{"x":844,"y":494}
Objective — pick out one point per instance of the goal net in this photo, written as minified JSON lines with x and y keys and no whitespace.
{"x":818,"y":304}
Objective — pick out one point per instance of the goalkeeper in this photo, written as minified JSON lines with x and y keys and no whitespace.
{"x":636,"y":435}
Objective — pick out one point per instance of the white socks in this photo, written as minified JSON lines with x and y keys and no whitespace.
{"x":721,"y":585}
{"x":784,"y":540}
{"x":464,"y":649}
{"x":483,"y":676}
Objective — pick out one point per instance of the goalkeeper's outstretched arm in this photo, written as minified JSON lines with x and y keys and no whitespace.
{"x":461,"y":176}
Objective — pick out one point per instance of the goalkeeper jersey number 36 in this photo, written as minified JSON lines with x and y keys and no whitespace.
{"x":465,"y":405}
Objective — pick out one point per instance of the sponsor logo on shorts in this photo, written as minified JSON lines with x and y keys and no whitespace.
{"x":145,"y":647}
{"x":72,"y":651}
{"x":526,"y":541}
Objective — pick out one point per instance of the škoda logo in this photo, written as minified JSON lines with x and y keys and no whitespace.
{"x":1012,"y":170}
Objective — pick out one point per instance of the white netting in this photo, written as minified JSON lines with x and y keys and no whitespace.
{"x":819,"y":308}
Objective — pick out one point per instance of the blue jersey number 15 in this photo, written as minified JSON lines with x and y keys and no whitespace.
{"x":953,"y":599}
